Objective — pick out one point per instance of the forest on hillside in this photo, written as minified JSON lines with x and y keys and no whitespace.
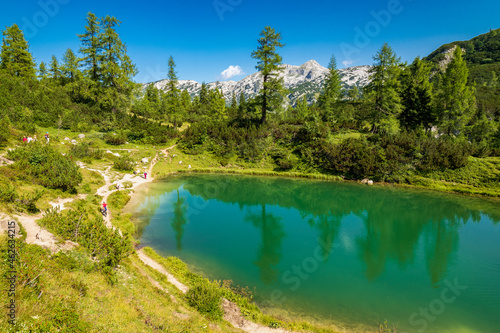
{"x":410,"y":119}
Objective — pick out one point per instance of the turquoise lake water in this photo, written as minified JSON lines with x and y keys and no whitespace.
{"x":344,"y":253}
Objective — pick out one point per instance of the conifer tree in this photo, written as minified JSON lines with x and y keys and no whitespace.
{"x":117,"y":68}
{"x":55,"y":71}
{"x":172,"y":94}
{"x":203,"y":94}
{"x":354,"y":93}
{"x":217,"y":105}
{"x":42,"y":71}
{"x":457,"y":102}
{"x":269,"y":64}
{"x":172,"y":77}
{"x":302,"y":108}
{"x":185,"y":101}
{"x":15,"y":57}
{"x":91,"y":47}
{"x":70,"y":66}
{"x":417,"y":97}
{"x":242,"y":106}
{"x":332,"y":91}
{"x":383,"y":91}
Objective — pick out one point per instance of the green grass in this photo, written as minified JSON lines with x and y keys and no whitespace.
{"x":481,"y":176}
{"x":116,"y":201}
{"x":64,"y":293}
{"x":240,"y":297}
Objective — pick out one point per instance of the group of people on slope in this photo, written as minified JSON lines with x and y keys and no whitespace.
{"x":28,"y":139}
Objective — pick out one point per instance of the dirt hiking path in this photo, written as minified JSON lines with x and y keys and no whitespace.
{"x":37,"y":235}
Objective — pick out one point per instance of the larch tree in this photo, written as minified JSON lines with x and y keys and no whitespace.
{"x":217,"y":104}
{"x":302,"y":108}
{"x":172,"y":94}
{"x":456,"y":100}
{"x":242,"y":107}
{"x":55,"y":70}
{"x":269,"y":64}
{"x":332,"y":91}
{"x":354,"y":93}
{"x":15,"y":57}
{"x":70,"y":66}
{"x":42,"y":71}
{"x":383,"y":91}
{"x":417,"y":97}
{"x":91,"y":48}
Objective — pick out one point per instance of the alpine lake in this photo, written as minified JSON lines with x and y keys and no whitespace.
{"x":342,"y":253}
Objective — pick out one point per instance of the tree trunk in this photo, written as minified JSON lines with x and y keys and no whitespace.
{"x":264,"y":102}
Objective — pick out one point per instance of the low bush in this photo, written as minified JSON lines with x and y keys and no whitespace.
{"x":115,"y":139}
{"x":124,"y":163}
{"x":85,"y":149}
{"x":205,"y":297}
{"x":284,"y":159}
{"x":106,"y":246}
{"x":44,"y":165}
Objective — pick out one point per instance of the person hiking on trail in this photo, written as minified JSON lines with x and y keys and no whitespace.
{"x":105,"y":207}
{"x":47,"y":137}
{"x":145,"y":174}
{"x":118,"y":186}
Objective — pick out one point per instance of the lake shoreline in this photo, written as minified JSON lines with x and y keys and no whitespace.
{"x":313,"y":176}
{"x":160,"y":178}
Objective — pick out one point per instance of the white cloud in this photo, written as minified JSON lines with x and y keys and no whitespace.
{"x":231,"y":71}
{"x":347,"y":63}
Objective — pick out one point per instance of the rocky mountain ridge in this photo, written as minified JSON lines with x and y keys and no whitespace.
{"x":307,"y":79}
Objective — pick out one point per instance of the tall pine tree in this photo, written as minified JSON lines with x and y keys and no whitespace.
{"x":332,"y":91}
{"x":172,"y":95}
{"x":417,"y":97}
{"x":456,"y":102}
{"x":15,"y":57}
{"x":383,"y":91}
{"x":55,"y":70}
{"x":269,"y":64}
{"x":42,"y":71}
{"x":91,"y":47}
{"x":70,"y":66}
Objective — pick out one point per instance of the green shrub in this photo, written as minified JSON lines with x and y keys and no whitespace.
{"x":444,"y":153}
{"x":118,"y":199}
{"x":115,"y":139}
{"x":355,"y":158}
{"x":46,"y":166}
{"x":85,"y":149}
{"x":284,"y":159}
{"x":124,"y":163}
{"x":106,"y":246}
{"x":206,"y":298}
{"x":8,"y":193}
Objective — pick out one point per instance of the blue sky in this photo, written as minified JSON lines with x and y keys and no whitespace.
{"x":207,"y":37}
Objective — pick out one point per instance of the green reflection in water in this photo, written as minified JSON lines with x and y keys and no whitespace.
{"x":351,"y":253}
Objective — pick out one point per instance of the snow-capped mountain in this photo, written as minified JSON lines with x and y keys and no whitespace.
{"x":306,"y":79}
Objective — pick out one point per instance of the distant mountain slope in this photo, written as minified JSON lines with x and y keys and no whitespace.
{"x":482,"y":54}
{"x":306,"y":79}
